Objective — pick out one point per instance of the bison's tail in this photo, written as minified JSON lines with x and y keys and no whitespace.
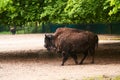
{"x":96,"y":41}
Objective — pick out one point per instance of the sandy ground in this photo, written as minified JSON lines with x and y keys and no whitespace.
{"x":21,"y":42}
{"x":31,"y":66}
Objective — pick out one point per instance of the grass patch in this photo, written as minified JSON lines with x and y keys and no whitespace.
{"x":5,"y":32}
{"x":20,"y":32}
{"x":114,"y":39}
{"x":107,"y":38}
{"x":116,"y":78}
{"x":8,"y":32}
{"x":104,"y":77}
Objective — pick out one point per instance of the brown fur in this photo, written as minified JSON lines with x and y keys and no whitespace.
{"x":72,"y":44}
{"x":93,"y":38}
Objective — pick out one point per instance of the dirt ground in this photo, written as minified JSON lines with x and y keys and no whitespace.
{"x":23,"y":57}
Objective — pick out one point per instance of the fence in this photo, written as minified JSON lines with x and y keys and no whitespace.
{"x":113,"y":28}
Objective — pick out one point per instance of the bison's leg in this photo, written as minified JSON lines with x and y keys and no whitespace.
{"x":65,"y":58}
{"x":92,"y":53}
{"x":85,"y":55}
{"x":74,"y":56}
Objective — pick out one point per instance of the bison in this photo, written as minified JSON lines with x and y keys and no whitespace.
{"x":69,"y":42}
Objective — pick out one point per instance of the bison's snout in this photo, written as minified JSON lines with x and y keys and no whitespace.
{"x":51,"y":49}
{"x":48,"y":48}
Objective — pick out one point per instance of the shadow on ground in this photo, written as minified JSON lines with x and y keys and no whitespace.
{"x":102,"y":56}
{"x":105,"y":54}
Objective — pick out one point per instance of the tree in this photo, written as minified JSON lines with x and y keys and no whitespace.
{"x":114,"y":6}
{"x":20,"y":12}
{"x":75,"y":11}
{"x":53,"y":11}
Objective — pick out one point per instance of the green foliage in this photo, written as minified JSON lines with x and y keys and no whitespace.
{"x":84,"y":11}
{"x":3,"y":4}
{"x":53,"y":11}
{"x":115,"y":6}
{"x":20,"y":11}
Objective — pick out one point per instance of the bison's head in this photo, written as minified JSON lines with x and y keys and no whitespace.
{"x":49,"y":42}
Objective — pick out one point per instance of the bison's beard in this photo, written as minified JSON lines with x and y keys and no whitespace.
{"x":51,"y":49}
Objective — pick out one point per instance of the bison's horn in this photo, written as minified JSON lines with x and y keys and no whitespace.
{"x":46,"y":35}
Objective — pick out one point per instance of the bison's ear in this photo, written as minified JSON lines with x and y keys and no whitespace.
{"x":47,"y":36}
